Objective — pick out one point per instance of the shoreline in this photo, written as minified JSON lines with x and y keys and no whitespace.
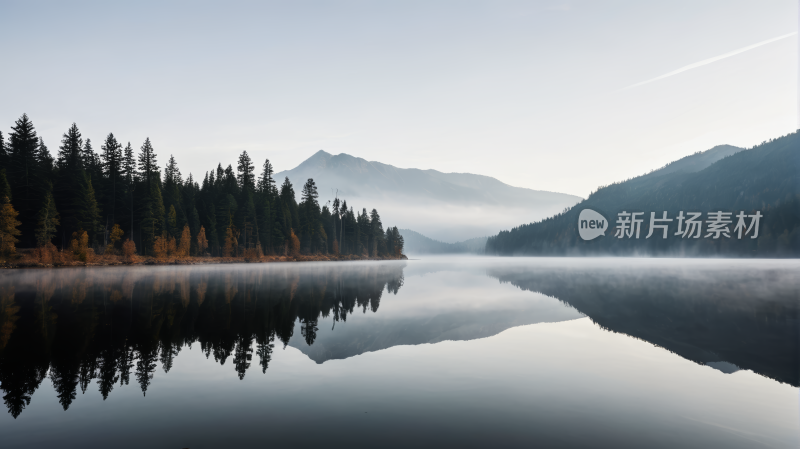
{"x":111,"y":261}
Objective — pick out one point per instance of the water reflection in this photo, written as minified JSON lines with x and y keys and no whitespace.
{"x":729,"y":315}
{"x":101,"y":328}
{"x":108,"y":325}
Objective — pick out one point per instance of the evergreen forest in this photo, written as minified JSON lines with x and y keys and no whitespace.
{"x":113,"y":199}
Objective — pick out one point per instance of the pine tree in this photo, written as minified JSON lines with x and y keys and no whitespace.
{"x":377,"y":238}
{"x":95,"y":171}
{"x":245,"y":173}
{"x":364,"y":229}
{"x":129,"y":165}
{"x":152,"y":218}
{"x":394,"y":242}
{"x":47,"y":220}
{"x":24,"y":175}
{"x":266,"y":184}
{"x":113,"y":174}
{"x":226,"y":210}
{"x":309,"y":215}
{"x":173,"y":182}
{"x":88,"y":212}
{"x":310,"y":195}
{"x":46,"y":162}
{"x":71,"y":149}
{"x":148,"y":165}
{"x":130,"y":177}
{"x":194,"y":220}
{"x":87,"y":154}
{"x":70,"y":189}
{"x":343,"y":219}
{"x":265,"y":205}
{"x":248,"y":224}
{"x":288,"y":206}
{"x":171,"y":174}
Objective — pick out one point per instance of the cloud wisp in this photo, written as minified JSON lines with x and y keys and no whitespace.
{"x":709,"y":60}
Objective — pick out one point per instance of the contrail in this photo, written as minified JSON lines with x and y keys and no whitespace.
{"x":710,"y":60}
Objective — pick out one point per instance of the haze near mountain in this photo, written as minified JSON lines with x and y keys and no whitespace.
{"x":446,"y":206}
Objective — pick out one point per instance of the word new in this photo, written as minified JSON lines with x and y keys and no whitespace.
{"x":591,"y":224}
{"x":689,"y":225}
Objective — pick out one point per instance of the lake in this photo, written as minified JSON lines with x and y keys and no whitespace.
{"x":438,"y":352}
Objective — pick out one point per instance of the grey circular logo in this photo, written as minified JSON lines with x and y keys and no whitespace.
{"x":591,"y":224}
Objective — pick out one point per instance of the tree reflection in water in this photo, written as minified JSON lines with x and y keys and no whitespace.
{"x":100,"y":324}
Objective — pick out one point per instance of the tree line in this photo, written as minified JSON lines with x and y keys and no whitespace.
{"x":118,"y":200}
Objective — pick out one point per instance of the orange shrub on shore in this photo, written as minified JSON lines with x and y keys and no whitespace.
{"x":47,"y":254}
{"x":128,"y":251}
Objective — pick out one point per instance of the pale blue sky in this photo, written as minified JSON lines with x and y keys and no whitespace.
{"x":528,"y":92}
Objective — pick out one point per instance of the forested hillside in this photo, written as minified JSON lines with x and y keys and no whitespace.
{"x":119,"y":200}
{"x":763,"y":179}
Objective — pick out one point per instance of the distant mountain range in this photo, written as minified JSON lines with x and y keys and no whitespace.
{"x":416,"y":243}
{"x":765,"y":179}
{"x":449,"y":207}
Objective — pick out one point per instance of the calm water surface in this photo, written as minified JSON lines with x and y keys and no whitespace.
{"x":441,"y":352}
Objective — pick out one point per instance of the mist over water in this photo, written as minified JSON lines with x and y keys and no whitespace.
{"x":440,"y":351}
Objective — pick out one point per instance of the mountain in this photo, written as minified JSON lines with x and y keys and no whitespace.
{"x":416,"y":243}
{"x":697,"y":161}
{"x":446,"y":206}
{"x":764,"y":179}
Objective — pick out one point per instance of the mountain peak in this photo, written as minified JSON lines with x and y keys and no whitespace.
{"x":319,"y":159}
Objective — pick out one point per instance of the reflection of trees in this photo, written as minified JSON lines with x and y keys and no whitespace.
{"x":309,"y":330}
{"x":102,"y":325}
{"x":146,"y":366}
{"x":108,"y":373}
{"x":750,"y":318}
{"x":19,"y":381}
{"x":243,"y":354}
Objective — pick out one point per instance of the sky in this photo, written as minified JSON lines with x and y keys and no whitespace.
{"x":557,"y":95}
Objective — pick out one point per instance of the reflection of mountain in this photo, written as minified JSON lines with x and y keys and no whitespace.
{"x":749,"y":319}
{"x":368,"y":335}
{"x":103,"y":328}
{"x":445,"y":206}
